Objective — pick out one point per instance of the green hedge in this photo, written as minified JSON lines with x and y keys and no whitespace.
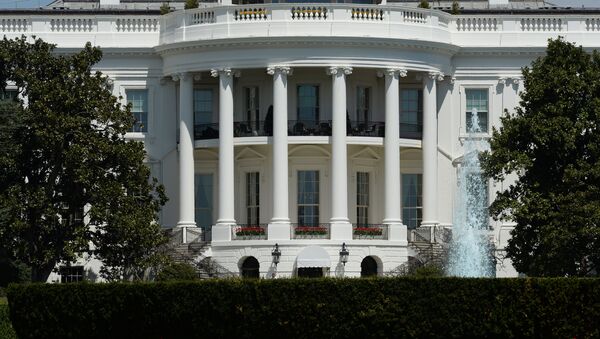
{"x":304,"y":308}
{"x":6,"y":330}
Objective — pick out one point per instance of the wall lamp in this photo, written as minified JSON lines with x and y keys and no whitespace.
{"x":276,"y":253}
{"x":344,"y":254}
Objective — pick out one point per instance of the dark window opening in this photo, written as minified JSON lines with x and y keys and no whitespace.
{"x":368,"y":267}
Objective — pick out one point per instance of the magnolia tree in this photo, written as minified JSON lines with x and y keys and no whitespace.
{"x":69,"y":182}
{"x":551,"y":143}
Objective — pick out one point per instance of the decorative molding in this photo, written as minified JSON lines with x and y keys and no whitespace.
{"x":281,"y":69}
{"x":216,"y":72}
{"x":180,"y":76}
{"x":502,"y":80}
{"x":197,"y":77}
{"x":333,"y":70}
{"x":393,"y":71}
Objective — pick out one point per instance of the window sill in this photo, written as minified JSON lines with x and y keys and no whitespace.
{"x":477,"y":136}
{"x":140,"y":136}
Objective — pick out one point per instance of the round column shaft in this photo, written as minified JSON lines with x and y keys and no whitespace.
{"x":429,"y":147}
{"x":392,"y":213}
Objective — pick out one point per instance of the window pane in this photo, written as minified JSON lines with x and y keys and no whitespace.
{"x":412,"y":200}
{"x":477,"y":99}
{"x":362,"y":197}
{"x":204,"y":199}
{"x":252,"y":198}
{"x":203,"y":106}
{"x":308,"y":103}
{"x":308,"y":197}
{"x":138,"y":98}
{"x":411,"y":111}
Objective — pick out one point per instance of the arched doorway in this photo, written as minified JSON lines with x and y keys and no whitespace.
{"x":250,"y":268}
{"x":368,"y":267}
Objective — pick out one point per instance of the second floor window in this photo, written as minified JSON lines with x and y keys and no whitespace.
{"x":477,"y":99}
{"x":252,"y":198}
{"x":138,"y":98}
{"x":252,"y":107}
{"x":308,"y":104}
{"x":362,"y":198}
{"x":411,"y":113}
{"x":203,"y":106}
{"x":363,"y":102}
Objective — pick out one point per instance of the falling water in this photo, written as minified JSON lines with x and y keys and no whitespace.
{"x":470,"y":248}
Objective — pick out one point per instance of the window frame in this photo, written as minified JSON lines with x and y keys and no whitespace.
{"x":247,"y":205}
{"x":402,"y":207}
{"x":463,"y":133}
{"x":319,"y":97}
{"x":420,"y":105}
{"x":368,"y":194}
{"x":123,"y":88}
{"x":319,"y":192}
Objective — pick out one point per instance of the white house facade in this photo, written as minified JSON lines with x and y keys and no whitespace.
{"x":298,"y":139}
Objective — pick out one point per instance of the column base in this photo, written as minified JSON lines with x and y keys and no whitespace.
{"x":340,"y":230}
{"x":222,"y":231}
{"x":279,"y":230}
{"x":189,"y":231}
{"x":429,"y":223}
{"x":397,"y":232}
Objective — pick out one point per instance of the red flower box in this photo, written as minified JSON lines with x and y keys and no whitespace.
{"x":368,"y":231}
{"x":311,"y":230}
{"x":250,"y":231}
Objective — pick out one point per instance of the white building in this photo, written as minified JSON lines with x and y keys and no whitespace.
{"x":311,"y":126}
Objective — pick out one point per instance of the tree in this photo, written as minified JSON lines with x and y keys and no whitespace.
{"x":455,"y":10}
{"x":165,"y":8}
{"x":189,"y":4}
{"x":69,"y":181}
{"x":424,"y":4}
{"x":552,"y":143}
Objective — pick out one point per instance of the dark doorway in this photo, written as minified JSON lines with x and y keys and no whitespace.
{"x":368,"y":267}
{"x":250,"y":268}
{"x":310,"y":272}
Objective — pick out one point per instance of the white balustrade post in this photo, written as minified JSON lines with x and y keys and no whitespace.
{"x":225,"y":217}
{"x":429,"y":148}
{"x":186,"y":153}
{"x":392,"y":216}
{"x":341,"y":229}
{"x":279,"y":227}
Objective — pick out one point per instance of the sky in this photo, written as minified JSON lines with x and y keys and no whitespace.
{"x":40,"y":3}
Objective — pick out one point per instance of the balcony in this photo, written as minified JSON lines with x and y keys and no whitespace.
{"x":318,"y":231}
{"x":309,"y":127}
{"x":370,"y":231}
{"x":249,"y":232}
{"x":253,"y":128}
{"x":206,"y":131}
{"x":377,"y":129}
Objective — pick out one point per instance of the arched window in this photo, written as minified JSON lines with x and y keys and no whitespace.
{"x":250,"y":268}
{"x":368,"y":267}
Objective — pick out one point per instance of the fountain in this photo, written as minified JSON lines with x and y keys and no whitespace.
{"x":470,"y":248}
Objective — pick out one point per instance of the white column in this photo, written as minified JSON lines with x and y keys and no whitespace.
{"x":429,"y":148}
{"x":340,"y":224}
{"x":225,"y":216}
{"x":279,"y":227}
{"x":186,"y":153}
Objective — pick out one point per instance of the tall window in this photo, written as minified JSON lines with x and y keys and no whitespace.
{"x":308,"y":198}
{"x":362,"y":198}
{"x":478,"y":99}
{"x":252,"y":106}
{"x":204,"y":200}
{"x":477,"y":186}
{"x":252,"y":198}
{"x":412,"y":200}
{"x":138,"y":98}
{"x":203,"y":106}
{"x":308,"y":104}
{"x":363,"y":102}
{"x":411,"y":113}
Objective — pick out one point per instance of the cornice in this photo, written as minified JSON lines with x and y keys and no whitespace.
{"x":296,"y":42}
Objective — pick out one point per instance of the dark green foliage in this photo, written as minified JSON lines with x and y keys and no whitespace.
{"x":428,"y":271}
{"x":177,"y":271}
{"x":6,"y":330}
{"x":552,"y":143}
{"x":307,"y":308}
{"x":190,"y":4}
{"x":455,"y":8}
{"x":165,"y":8}
{"x":424,"y":4}
{"x":13,"y":271}
{"x":66,"y":151}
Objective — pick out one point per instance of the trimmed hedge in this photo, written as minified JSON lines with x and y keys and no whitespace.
{"x":306,"y":308}
{"x":6,"y":330}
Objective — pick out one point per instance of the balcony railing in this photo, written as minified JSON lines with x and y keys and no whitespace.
{"x":309,"y":127}
{"x":369,"y":231}
{"x":253,"y":128}
{"x":249,"y":232}
{"x":366,"y":128}
{"x":317,"y":231}
{"x":206,"y":131}
{"x":411,"y":131}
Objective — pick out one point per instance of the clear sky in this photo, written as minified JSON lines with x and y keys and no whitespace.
{"x":39,"y":3}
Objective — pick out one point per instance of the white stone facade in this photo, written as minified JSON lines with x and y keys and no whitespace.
{"x":271,"y":51}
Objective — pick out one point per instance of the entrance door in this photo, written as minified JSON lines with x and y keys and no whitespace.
{"x":310,"y":272}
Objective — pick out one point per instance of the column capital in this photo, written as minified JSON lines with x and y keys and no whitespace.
{"x":281,"y":69}
{"x":393,"y":71}
{"x":226,"y":71}
{"x":435,"y":75}
{"x":502,"y":80}
{"x":180,"y":76}
{"x":515,"y":81}
{"x":333,"y":70}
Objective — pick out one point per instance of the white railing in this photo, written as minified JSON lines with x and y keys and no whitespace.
{"x":476,"y":24}
{"x":592,"y":24}
{"x":309,"y":13}
{"x":544,"y":24}
{"x":250,"y":14}
{"x":122,"y":30}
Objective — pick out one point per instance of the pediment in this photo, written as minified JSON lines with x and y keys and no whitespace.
{"x":308,"y":151}
{"x":249,"y":154}
{"x":366,"y":153}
